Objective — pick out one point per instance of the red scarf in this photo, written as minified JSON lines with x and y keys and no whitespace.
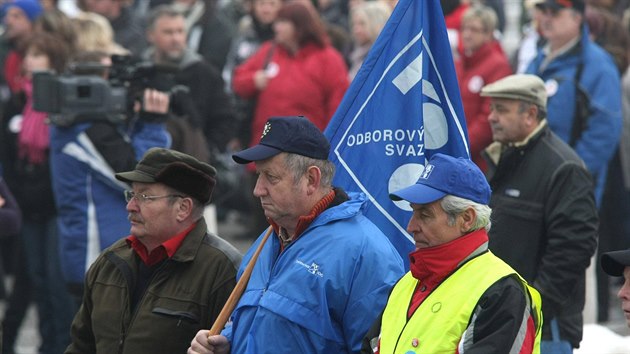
{"x":33,"y":139}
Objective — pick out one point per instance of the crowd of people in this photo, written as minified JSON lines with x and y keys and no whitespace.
{"x":153,"y":110}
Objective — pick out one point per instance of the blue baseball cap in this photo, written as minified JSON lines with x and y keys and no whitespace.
{"x":295,"y":134}
{"x":445,"y":174}
{"x":31,"y":8}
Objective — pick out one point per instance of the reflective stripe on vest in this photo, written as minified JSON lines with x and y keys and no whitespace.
{"x":439,"y":322}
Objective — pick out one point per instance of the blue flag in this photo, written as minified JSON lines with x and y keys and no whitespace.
{"x":403,"y":105}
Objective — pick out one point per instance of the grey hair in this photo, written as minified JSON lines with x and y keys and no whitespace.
{"x":299,"y":164}
{"x":485,"y":14}
{"x":524,"y":106}
{"x":161,"y":11}
{"x":376,"y":14}
{"x":197,"y":209}
{"x":454,"y":206}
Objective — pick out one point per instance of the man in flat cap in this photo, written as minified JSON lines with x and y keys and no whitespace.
{"x":617,"y":264}
{"x":457,"y":297}
{"x":152,"y":291}
{"x":325,"y":272}
{"x":545,"y":220}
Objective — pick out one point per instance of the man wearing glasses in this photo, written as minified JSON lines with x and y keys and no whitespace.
{"x":152,"y":291}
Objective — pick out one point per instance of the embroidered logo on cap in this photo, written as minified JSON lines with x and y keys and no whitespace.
{"x":427,"y":171}
{"x":266,"y":130}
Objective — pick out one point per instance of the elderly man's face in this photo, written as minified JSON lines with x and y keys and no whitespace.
{"x":169,"y":37}
{"x":508,"y":123}
{"x":624,"y":295}
{"x":281,"y":196}
{"x":153,"y":220}
{"x":430,"y":226}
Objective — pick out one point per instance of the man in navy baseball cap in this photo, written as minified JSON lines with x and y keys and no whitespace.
{"x":322,"y":254}
{"x":452,"y":265}
{"x":293,"y":134}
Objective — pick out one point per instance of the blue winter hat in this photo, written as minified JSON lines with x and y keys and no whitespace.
{"x":444,"y":175}
{"x":296,"y":135}
{"x":31,"y":8}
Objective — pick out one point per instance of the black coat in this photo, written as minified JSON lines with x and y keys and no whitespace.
{"x":544,"y":224}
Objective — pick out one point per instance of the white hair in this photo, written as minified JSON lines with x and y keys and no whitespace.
{"x":454,"y":206}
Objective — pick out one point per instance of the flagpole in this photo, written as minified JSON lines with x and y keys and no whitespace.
{"x":237,"y":292}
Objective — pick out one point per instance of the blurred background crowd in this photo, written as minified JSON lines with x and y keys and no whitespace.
{"x":228,"y":65}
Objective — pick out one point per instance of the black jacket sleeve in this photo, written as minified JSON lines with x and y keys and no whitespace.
{"x":115,"y":149}
{"x":571,"y":229}
{"x":498,"y":320}
{"x":213,"y":110}
{"x":10,"y":214}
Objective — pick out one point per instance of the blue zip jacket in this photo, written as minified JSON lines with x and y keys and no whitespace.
{"x":91,"y":206}
{"x":600,"y":80}
{"x":322,"y":293}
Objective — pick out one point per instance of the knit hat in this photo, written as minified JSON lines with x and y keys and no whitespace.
{"x":31,"y":8}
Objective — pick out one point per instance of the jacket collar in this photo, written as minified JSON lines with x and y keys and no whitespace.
{"x":432,"y":265}
{"x":192,"y":243}
{"x":495,"y":149}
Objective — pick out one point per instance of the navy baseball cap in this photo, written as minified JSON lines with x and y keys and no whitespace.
{"x":613,"y":263}
{"x":295,"y":134}
{"x":444,"y":175}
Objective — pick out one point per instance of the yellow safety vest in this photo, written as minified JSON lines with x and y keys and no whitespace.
{"x":439,"y":322}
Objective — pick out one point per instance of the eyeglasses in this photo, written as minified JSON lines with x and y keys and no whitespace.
{"x":141,"y":198}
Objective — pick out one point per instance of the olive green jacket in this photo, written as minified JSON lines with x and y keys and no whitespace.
{"x":185,"y":294}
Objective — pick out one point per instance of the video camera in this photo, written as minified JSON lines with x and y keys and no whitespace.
{"x":84,"y":96}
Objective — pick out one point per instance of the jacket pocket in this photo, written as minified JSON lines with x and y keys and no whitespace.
{"x":178,"y":314}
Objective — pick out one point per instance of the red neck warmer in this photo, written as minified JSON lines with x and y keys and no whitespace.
{"x":434,"y":264}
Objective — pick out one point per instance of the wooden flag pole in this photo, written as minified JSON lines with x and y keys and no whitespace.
{"x":237,"y":292}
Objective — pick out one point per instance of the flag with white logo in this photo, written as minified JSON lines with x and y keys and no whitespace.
{"x":403,"y":105}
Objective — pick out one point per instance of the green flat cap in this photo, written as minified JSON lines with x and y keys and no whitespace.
{"x":175,"y":169}
{"x":523,"y":87}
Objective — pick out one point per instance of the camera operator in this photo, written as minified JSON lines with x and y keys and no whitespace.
{"x":85,"y":155}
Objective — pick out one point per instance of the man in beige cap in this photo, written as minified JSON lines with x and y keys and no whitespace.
{"x":544,"y":216}
{"x":152,"y":291}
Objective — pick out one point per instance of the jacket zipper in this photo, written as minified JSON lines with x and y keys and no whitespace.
{"x":123,"y":333}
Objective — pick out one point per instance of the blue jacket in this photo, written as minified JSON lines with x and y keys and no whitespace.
{"x":91,"y":207}
{"x":322,"y":293}
{"x":600,"y":80}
